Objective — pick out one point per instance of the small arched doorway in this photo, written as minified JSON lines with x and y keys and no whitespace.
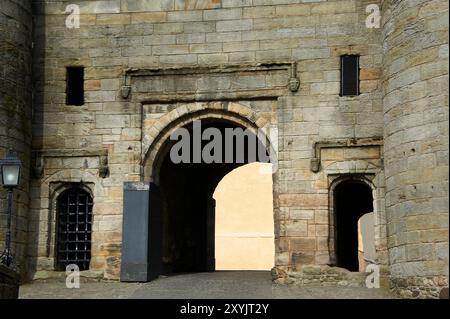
{"x":187,"y":220}
{"x":74,"y":228}
{"x":352,"y":199}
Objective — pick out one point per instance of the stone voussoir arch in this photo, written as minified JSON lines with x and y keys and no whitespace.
{"x":74,"y":176}
{"x":187,"y":113}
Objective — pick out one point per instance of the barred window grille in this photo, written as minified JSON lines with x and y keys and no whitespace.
{"x":74,"y":220}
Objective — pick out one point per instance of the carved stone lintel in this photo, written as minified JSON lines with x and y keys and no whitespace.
{"x":340,"y":143}
{"x":289,"y":68}
{"x":40,"y":155}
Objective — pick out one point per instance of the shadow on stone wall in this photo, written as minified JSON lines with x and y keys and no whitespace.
{"x":39,"y":80}
{"x":9,"y":283}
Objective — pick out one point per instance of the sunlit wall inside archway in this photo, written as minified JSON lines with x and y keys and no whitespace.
{"x":244,"y":238}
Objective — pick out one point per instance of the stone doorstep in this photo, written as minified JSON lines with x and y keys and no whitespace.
{"x":85,"y":276}
{"x":330,"y":276}
{"x":331,"y":282}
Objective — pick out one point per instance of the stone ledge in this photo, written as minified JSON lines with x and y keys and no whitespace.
{"x":326,"y":276}
{"x":420,"y":287}
{"x":88,"y":275}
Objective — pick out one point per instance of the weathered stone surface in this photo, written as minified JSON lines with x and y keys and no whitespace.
{"x":146,"y":5}
{"x":408,"y":133}
{"x":197,"y":4}
{"x":188,"y":49}
{"x":15,"y":115}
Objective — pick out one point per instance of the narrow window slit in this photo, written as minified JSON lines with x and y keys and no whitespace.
{"x":349,"y":75}
{"x":75,"y":86}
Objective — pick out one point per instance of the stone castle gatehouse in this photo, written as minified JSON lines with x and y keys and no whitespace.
{"x":359,"y":111}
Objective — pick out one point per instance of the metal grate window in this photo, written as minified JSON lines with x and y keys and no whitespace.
{"x":74,"y":228}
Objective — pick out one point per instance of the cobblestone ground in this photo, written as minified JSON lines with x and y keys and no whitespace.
{"x":220,"y":285}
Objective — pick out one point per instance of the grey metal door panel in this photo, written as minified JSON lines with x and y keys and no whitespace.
{"x":141,"y":233}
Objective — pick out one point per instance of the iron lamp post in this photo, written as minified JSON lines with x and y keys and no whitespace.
{"x":10,"y":176}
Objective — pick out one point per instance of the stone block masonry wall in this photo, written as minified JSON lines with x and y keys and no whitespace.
{"x":416,"y":144}
{"x":117,"y":35}
{"x":15,"y":114}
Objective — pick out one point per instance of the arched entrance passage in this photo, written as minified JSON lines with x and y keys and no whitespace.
{"x":352,"y":199}
{"x":184,"y":231}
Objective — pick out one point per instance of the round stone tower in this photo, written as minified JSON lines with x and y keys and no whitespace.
{"x":15,"y":114}
{"x":415,"y":91}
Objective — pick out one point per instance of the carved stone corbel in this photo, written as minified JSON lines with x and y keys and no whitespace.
{"x":315,"y":164}
{"x":103,"y":170}
{"x":126,"y":88}
{"x":125,"y":91}
{"x":38,"y":167}
{"x":294,"y":82}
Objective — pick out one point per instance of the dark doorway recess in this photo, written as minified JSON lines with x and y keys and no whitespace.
{"x":188,"y":208}
{"x":352,"y":199}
